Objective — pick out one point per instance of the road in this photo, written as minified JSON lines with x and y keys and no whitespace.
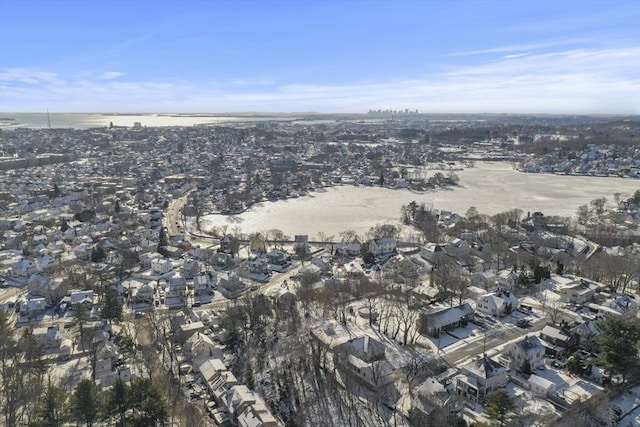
{"x":499,"y":335}
{"x":493,"y":339}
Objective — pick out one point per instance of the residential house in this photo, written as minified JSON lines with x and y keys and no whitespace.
{"x":160,"y":266}
{"x":83,"y":251}
{"x":147,"y":258}
{"x":229,"y":244}
{"x":186,"y":330}
{"x":437,"y":320}
{"x":497,"y":304}
{"x":506,"y":280}
{"x":190,"y":268}
{"x":301,"y":244}
{"x":578,"y":292}
{"x":322,"y":263}
{"x":527,"y":351}
{"x":81,"y":297}
{"x":258,"y":268}
{"x":217,"y":378}
{"x":223,"y":260}
{"x":177,"y":287}
{"x":403,"y":266}
{"x":432,"y":252}
{"x":364,"y":358}
{"x":382,"y":246}
{"x":144,"y":293}
{"x":277,"y":258}
{"x":50,"y":337}
{"x":24,"y":268}
{"x":540,"y":386}
{"x":203,"y":284}
{"x":457,"y":248}
{"x":557,"y":342}
{"x":199,"y":348}
{"x":347,"y":249}
{"x":480,"y":378}
{"x":484,"y":279}
{"x":257,"y":415}
{"x":432,"y":397}
{"x":624,"y":304}
{"x":231,"y":284}
{"x":45,"y":262}
{"x":51,"y":289}
{"x":587,"y":331}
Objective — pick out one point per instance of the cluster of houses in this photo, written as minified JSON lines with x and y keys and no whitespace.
{"x":598,"y":160}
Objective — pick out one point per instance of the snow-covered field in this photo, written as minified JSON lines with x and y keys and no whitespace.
{"x":490,"y":187}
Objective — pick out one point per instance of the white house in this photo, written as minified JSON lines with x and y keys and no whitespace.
{"x":382,"y":246}
{"x":143,"y":293}
{"x":81,"y":297}
{"x":347,"y":249}
{"x":199,"y":348}
{"x":480,"y":378}
{"x":578,"y":292}
{"x":541,"y":386}
{"x":506,"y":280}
{"x":230,"y":283}
{"x":161,"y":266}
{"x":497,"y":303}
{"x":33,"y":307}
{"x":45,"y":262}
{"x":203,"y":284}
{"x":190,"y":268}
{"x":24,"y":268}
{"x":623,"y":304}
{"x":177,"y":287}
{"x":83,"y":251}
{"x":432,"y":252}
{"x":254,"y":267}
{"x":147,"y":258}
{"x":44,"y":286}
{"x":526,"y":350}
{"x":457,"y":248}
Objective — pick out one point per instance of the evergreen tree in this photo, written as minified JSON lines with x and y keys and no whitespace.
{"x":499,"y":406}
{"x":111,"y":307}
{"x":98,"y":253}
{"x":86,"y":405}
{"x":51,"y":409}
{"x":118,"y":401}
{"x":163,"y":241}
{"x":148,"y":403}
{"x":620,"y":341}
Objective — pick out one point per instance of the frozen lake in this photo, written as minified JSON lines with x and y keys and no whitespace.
{"x":490,"y":187}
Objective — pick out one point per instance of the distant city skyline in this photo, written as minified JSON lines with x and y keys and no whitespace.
{"x":196,"y":56}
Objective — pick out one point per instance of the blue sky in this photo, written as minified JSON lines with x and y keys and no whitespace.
{"x":500,"y":56}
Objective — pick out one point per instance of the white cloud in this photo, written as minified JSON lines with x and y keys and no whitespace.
{"x":252,"y":82}
{"x":522,"y":47}
{"x":563,"y":81}
{"x":109,"y":75}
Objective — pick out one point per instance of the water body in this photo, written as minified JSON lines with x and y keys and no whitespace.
{"x":86,"y":121}
{"x":490,"y":187}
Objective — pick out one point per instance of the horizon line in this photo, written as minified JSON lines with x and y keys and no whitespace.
{"x":292,"y":113}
